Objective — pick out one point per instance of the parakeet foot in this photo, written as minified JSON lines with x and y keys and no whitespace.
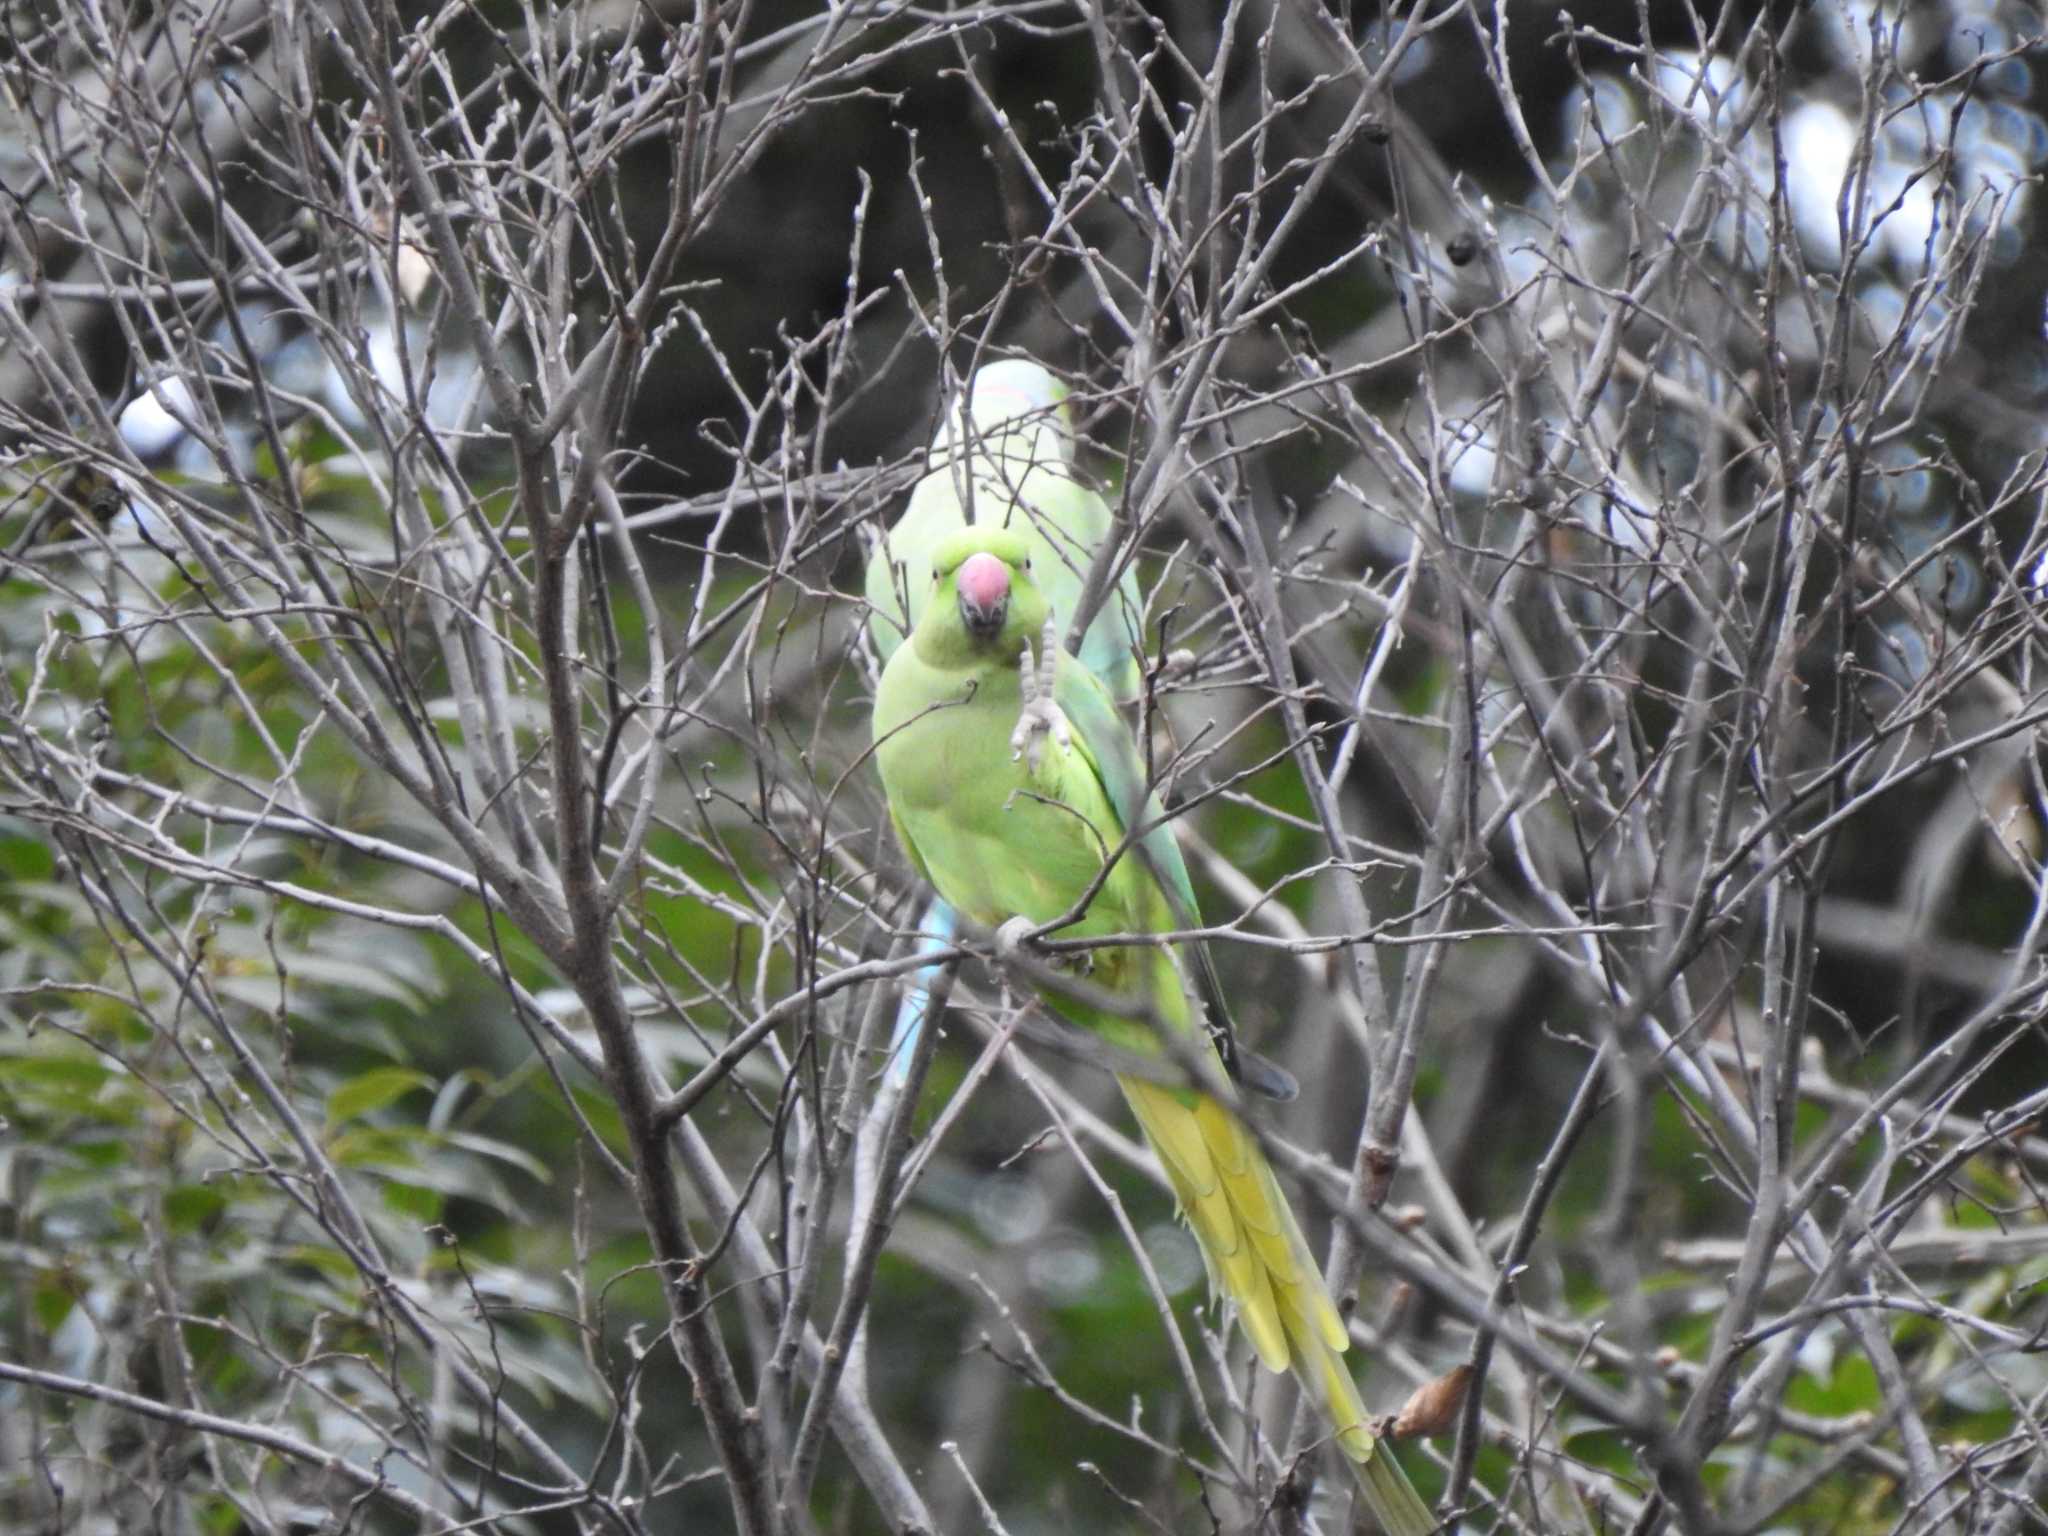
{"x":1041,"y":715}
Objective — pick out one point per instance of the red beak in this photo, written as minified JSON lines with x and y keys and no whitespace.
{"x":984,"y":588}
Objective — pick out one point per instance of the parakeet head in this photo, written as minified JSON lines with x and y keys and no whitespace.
{"x":1007,"y":395}
{"x":983,"y":586}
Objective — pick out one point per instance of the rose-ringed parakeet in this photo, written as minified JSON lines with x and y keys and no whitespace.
{"x":1005,"y":460}
{"x":1011,"y":782}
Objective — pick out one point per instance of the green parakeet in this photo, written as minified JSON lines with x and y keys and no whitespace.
{"x":1008,"y":456}
{"x":1010,"y":782}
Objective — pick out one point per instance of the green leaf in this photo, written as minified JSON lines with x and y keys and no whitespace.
{"x":380,"y":1148}
{"x":52,"y":1305}
{"x":192,"y":1206}
{"x":1850,"y":1388}
{"x":413,"y":1200}
{"x":504,"y":1152}
{"x":328,"y":1261}
{"x":372,"y":1091}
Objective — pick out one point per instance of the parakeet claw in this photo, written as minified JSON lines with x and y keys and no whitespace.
{"x":1013,"y":938}
{"x":1041,"y":715}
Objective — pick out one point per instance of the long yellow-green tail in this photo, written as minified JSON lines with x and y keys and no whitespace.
{"x":1257,"y":1256}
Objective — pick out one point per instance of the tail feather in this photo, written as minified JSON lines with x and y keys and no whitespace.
{"x":1236,"y":1265}
{"x":1391,"y":1497}
{"x":935,"y":931}
{"x":1257,"y":1256}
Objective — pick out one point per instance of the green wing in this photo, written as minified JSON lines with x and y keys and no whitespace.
{"x":1113,"y":752}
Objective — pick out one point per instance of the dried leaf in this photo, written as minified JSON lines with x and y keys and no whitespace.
{"x":1433,"y":1407}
